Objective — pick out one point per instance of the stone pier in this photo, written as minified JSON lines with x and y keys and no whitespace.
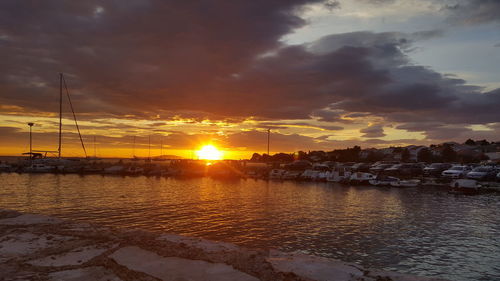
{"x":37,"y":247}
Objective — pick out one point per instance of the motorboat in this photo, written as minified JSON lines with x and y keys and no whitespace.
{"x":39,"y":168}
{"x":309,"y":174}
{"x":405,"y":183}
{"x":4,"y":167}
{"x":276,"y":173}
{"x":383,"y":180}
{"x":117,"y":169}
{"x":134,"y":170}
{"x":361,"y":178}
{"x":338,"y":175}
{"x":291,"y":175}
{"x":465,"y":186}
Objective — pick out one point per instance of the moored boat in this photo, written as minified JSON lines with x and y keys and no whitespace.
{"x":405,"y":183}
{"x":465,"y":186}
{"x":361,"y":178}
{"x":383,"y":180}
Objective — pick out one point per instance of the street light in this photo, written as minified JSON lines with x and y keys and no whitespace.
{"x":31,"y":154}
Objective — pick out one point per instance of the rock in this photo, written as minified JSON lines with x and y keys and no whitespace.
{"x":174,"y":269}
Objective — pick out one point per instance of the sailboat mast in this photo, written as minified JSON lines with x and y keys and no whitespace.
{"x":60,"y":112}
{"x":149,"y":147}
{"x":95,"y":155}
{"x":161,"y":146}
{"x":133,"y":148}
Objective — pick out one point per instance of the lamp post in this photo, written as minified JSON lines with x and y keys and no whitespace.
{"x":31,"y":142}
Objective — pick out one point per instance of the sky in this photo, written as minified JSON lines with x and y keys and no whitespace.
{"x":171,"y":76}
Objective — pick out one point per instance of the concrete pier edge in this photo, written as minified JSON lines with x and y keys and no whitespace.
{"x":39,"y":247}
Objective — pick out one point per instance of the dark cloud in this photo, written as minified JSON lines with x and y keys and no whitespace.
{"x":373,"y":131}
{"x":300,"y":125}
{"x":168,"y":60}
{"x":473,"y":11}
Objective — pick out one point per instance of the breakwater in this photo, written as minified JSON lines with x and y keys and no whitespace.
{"x":37,"y":247}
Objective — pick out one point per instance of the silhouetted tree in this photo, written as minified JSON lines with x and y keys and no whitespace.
{"x":482,"y":142}
{"x":424,"y":155}
{"x":470,"y":142}
{"x":448,"y":154}
{"x":405,"y":155}
{"x":256,"y":157}
{"x":374,"y":156}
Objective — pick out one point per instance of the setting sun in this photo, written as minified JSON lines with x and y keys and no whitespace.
{"x":209,"y":152}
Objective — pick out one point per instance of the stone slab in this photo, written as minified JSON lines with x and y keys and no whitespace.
{"x":312,"y":267}
{"x":175,"y":269}
{"x":75,"y":257}
{"x":202,"y":244}
{"x":26,"y":243}
{"x":95,"y":273}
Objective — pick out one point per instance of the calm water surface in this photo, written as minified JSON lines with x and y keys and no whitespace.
{"x":419,"y":231}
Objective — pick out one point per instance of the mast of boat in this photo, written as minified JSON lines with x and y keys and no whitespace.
{"x":133,"y":149}
{"x":95,"y":154}
{"x":63,"y":81}
{"x":149,"y":147}
{"x":268,"y":136}
{"x":161,"y":146}
{"x":60,"y":111}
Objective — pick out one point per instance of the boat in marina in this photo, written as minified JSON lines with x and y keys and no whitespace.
{"x":40,"y":168}
{"x":465,"y":186}
{"x":383,"y":180}
{"x":276,"y":173}
{"x":405,"y":183}
{"x":38,"y":160}
{"x":361,"y":178}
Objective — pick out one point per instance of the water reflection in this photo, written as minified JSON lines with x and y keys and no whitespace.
{"x":420,"y":231}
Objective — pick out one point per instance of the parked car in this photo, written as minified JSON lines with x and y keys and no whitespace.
{"x":405,"y":169}
{"x":435,"y":169}
{"x":482,"y":173}
{"x":455,"y":172}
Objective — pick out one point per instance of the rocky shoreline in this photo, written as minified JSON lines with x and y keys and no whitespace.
{"x":38,"y":247}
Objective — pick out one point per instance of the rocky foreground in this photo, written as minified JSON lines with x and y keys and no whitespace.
{"x":37,"y":247}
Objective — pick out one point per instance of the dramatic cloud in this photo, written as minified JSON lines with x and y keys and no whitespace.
{"x":225,"y":61}
{"x":373,"y":131}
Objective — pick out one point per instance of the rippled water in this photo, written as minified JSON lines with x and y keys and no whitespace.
{"x":419,"y":231}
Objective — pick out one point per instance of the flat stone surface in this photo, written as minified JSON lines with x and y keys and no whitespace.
{"x":20,"y":244}
{"x":316,"y":268}
{"x":176,"y":269}
{"x":202,"y":244}
{"x":75,"y":257}
{"x":95,"y":273}
{"x":29,"y":219}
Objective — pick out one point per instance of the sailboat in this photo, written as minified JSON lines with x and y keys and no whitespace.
{"x":57,"y":164}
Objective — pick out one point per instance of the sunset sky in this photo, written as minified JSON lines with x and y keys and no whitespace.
{"x":319,"y":74}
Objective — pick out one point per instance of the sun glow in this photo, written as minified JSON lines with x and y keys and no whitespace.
{"x":209,"y":152}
